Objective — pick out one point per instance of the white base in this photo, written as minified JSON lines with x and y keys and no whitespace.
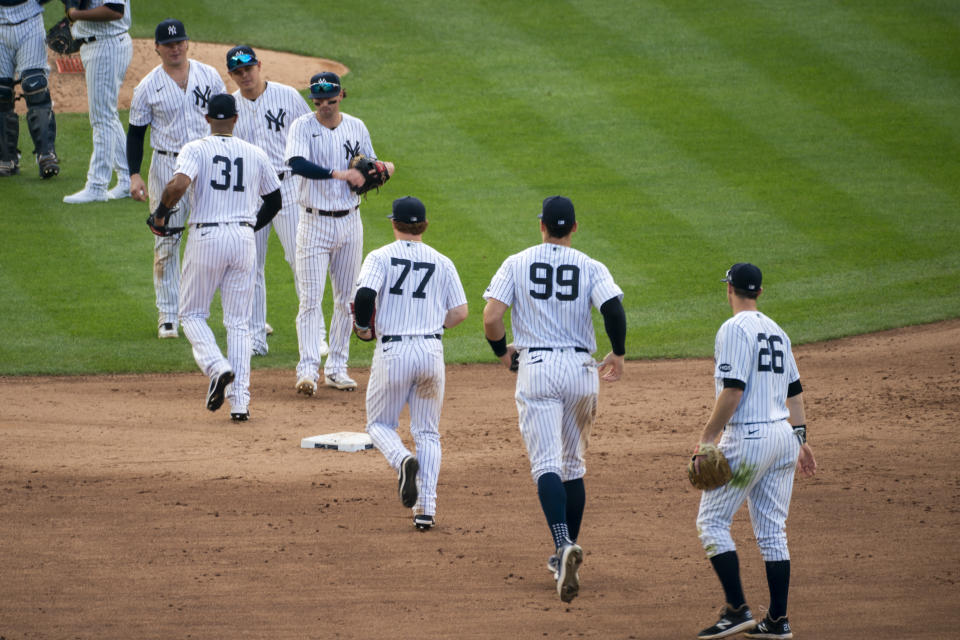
{"x":340,"y":441}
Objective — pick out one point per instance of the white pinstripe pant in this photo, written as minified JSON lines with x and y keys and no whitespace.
{"x":285,"y":224}
{"x":557,"y":402}
{"x":166,"y":251}
{"x":412,"y":372}
{"x":323,"y":243}
{"x":222,"y":258}
{"x":22,"y":47}
{"x":763,"y":458}
{"x":105,"y":61}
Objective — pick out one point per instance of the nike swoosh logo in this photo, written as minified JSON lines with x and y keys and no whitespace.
{"x":204,"y":233}
{"x":752,"y":432}
{"x":385,"y":349}
{"x":160,"y":89}
{"x":316,"y":135}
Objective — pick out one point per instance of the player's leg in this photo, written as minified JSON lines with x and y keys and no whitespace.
{"x":40,"y":119}
{"x":345,"y":264}
{"x":9,"y":127}
{"x":581,"y":386}
{"x":426,"y":402}
{"x":258,"y":313}
{"x":102,"y":62}
{"x":166,"y":251}
{"x":313,"y":257}
{"x":769,"y":504}
{"x":236,"y":294}
{"x":286,"y":223}
{"x":202,"y":272}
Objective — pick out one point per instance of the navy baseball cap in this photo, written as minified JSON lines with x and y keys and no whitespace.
{"x":170,"y":30}
{"x":744,"y":275}
{"x":558,"y":212}
{"x":325,"y":84}
{"x":241,"y":56}
{"x":222,"y":106}
{"x":408,"y":209}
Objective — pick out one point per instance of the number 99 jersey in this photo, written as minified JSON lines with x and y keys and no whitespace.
{"x":551,"y":289}
{"x":752,"y":348}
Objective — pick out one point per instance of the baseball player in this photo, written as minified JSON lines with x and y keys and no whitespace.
{"x":228,"y":177}
{"x":759,"y":412}
{"x":267,"y":110}
{"x":106,"y":50}
{"x":552,"y":288}
{"x":330,"y":236}
{"x":23,"y":59}
{"x":172,"y":101}
{"x":417,"y":294}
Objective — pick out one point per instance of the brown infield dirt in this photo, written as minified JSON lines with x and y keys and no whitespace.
{"x":129,"y":511}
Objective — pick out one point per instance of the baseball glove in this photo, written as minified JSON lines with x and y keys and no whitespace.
{"x":374,"y":172}
{"x":714,"y":468}
{"x":372,"y":327}
{"x":515,"y":361}
{"x":60,"y":40}
{"x":162,"y":230}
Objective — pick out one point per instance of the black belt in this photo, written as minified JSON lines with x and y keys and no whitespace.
{"x":332,"y":214}
{"x":577,"y":349}
{"x":94,"y":38}
{"x":280,"y":176}
{"x":168,"y":153}
{"x":432,"y":336}
{"x":201,"y":225}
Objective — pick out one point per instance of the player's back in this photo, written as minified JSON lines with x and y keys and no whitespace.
{"x":226,"y":174}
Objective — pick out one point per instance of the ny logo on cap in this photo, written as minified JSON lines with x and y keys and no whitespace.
{"x":172,"y":30}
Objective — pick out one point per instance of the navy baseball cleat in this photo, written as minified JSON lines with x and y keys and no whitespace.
{"x":423,"y":522}
{"x":771,"y":629}
{"x":240,"y":416}
{"x":568,"y":577}
{"x":407,"y":481}
{"x":218,"y":384}
{"x":731,"y":622}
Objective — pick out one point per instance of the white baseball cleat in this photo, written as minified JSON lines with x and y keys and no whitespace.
{"x":267,"y":328}
{"x":340,"y":381}
{"x":306,"y":386}
{"x":167,"y":330}
{"x":86,"y":195}
{"x":324,"y":348}
{"x":119,"y":192}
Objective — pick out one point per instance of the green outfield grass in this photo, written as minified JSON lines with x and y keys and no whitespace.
{"x":820,"y":140}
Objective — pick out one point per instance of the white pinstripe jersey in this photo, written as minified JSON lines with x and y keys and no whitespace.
{"x":19,"y":12}
{"x":229,"y":176}
{"x":551,"y":289}
{"x":752,"y":348}
{"x":331,"y":149}
{"x":416,"y":285}
{"x":87,"y":28}
{"x":175,"y":116}
{"x":266,"y":121}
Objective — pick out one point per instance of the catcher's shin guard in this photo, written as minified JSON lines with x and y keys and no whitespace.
{"x":9,"y":130}
{"x":40,"y":119}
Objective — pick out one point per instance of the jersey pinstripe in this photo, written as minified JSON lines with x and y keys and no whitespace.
{"x":331,"y":149}
{"x":87,"y":28}
{"x":752,"y":348}
{"x":176,"y":116}
{"x":11,"y":15}
{"x":228,"y":177}
{"x":416,"y":285}
{"x":551,"y":289}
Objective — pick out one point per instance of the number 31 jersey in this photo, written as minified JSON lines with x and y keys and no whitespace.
{"x":752,"y":348}
{"x":228,"y":177}
{"x":551,"y":289}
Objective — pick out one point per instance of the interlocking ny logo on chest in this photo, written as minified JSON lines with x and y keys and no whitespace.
{"x":201,"y":98}
{"x":276,"y":122}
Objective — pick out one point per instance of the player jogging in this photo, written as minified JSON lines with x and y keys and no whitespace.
{"x":552,"y":288}
{"x":417,"y":294}
{"x":228,"y":176}
{"x":759,"y":411}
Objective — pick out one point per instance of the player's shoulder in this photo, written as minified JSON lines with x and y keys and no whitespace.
{"x":203,"y":67}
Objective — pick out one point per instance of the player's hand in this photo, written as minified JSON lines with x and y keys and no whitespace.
{"x":390,"y":168}
{"x":507,"y":358}
{"x":352,"y":176}
{"x":611,"y":369}
{"x":364,"y":334}
{"x":806,"y":463}
{"x":138,"y":190}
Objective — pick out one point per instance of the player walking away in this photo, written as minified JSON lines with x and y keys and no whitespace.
{"x":23,"y":59}
{"x":759,"y":397}
{"x":267,"y":109}
{"x":330,"y":236}
{"x":172,"y":101}
{"x":106,"y":50}
{"x":228,"y":177}
{"x":552,"y":288}
{"x":417,"y":294}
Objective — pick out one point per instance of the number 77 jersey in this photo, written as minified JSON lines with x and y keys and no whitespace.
{"x":752,"y":348}
{"x":551,"y":289}
{"x":228,"y":177}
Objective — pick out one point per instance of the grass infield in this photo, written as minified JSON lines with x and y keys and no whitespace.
{"x":819,"y":140}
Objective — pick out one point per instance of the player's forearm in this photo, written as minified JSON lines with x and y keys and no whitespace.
{"x":135,"y":136}
{"x":615,"y":324}
{"x":797,"y":413}
{"x":272,"y":203}
{"x":303,"y":167}
{"x":723,"y":409}
{"x":363,"y":306}
{"x":174,"y":190}
{"x":455,"y":316}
